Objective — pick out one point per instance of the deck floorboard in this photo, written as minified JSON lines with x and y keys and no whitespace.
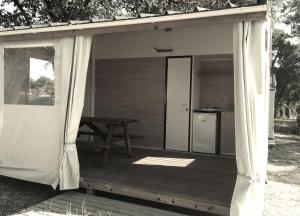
{"x":207,"y":179}
{"x":75,"y":203}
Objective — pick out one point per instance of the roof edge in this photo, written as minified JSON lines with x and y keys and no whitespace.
{"x":245,"y":13}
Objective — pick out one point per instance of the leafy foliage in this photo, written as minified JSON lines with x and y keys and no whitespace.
{"x":286,"y":57}
{"x":286,"y":66}
{"x":28,"y":12}
{"x":42,"y":86}
{"x":291,"y":9}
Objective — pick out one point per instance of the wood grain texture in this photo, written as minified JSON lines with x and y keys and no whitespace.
{"x":217,"y":84}
{"x":227,"y":133}
{"x":206,"y":184}
{"x":133,"y":88}
{"x":74,"y":203}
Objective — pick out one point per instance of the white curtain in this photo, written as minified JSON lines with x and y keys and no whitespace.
{"x":37,"y":141}
{"x":69,"y":171}
{"x":31,"y":134}
{"x":251,"y":80}
{"x":1,"y":90}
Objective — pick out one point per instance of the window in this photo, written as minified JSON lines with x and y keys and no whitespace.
{"x":29,"y":76}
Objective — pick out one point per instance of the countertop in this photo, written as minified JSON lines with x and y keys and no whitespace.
{"x":212,"y":110}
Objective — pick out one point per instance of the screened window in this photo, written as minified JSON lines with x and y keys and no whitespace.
{"x":29,"y":76}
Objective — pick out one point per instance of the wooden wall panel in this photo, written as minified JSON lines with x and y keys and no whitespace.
{"x":133,"y":88}
{"x":217,"y":84}
{"x":227,"y":133}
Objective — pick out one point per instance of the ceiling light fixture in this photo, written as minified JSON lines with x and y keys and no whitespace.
{"x":158,"y":50}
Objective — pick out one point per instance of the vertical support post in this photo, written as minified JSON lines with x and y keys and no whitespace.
{"x":127,"y":139}
{"x":93,"y":83}
{"x":110,"y":131}
{"x":90,"y":191}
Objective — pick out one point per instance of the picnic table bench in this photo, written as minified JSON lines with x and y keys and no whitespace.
{"x":107,"y":135}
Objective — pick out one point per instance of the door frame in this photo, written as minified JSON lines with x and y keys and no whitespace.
{"x":190,"y":98}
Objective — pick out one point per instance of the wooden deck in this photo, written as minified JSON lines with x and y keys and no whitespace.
{"x":79,"y":204}
{"x":193,"y":181}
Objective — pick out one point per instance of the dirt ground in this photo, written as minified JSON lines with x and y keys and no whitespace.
{"x":16,"y":195}
{"x":283,"y":188}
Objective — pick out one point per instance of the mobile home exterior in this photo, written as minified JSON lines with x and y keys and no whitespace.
{"x":161,"y":70}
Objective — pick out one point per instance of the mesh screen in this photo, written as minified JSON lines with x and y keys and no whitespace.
{"x":29,"y":76}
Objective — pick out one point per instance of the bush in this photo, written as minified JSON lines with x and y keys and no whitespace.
{"x":286,"y":126}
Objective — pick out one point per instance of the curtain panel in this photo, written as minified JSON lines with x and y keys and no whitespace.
{"x":1,"y":90}
{"x":251,"y":80}
{"x":38,"y":126}
{"x":31,"y":119}
{"x":69,"y":170}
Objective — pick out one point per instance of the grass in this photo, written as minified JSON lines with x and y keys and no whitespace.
{"x":16,"y":195}
{"x":70,"y":211}
{"x":286,"y":126}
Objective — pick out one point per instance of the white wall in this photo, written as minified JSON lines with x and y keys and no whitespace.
{"x":202,"y":40}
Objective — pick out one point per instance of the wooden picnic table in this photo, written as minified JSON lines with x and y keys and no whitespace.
{"x":110,"y":124}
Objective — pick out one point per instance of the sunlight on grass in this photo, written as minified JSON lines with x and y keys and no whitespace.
{"x":50,"y":213}
{"x":38,"y":213}
{"x":277,"y":168}
{"x":287,"y":136}
{"x":69,"y":211}
{"x":163,"y":161}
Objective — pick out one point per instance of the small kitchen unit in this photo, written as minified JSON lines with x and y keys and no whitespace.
{"x":212,"y":102}
{"x":200,"y":104}
{"x":206,"y":131}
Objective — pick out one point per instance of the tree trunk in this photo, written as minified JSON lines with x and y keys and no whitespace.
{"x":298,"y":123}
{"x":287,"y":113}
{"x":277,"y":112}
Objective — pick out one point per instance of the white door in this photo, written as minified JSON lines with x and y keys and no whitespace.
{"x":178,"y":103}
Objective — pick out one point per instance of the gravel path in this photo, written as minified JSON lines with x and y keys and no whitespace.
{"x":283,"y":188}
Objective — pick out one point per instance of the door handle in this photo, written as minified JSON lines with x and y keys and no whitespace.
{"x":186,"y":106}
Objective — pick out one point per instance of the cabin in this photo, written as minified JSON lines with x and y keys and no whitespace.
{"x":168,"y":108}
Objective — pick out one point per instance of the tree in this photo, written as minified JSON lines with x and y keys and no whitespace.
{"x":286,"y":56}
{"x":291,"y":10}
{"x":29,"y":12}
{"x":42,"y":86}
{"x":285,"y":64}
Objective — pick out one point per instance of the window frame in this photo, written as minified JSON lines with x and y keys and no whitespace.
{"x":31,"y":44}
